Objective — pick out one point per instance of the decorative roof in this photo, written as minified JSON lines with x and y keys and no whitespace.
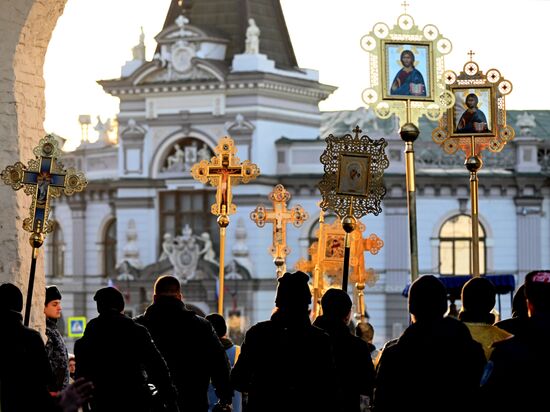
{"x":231,"y":18}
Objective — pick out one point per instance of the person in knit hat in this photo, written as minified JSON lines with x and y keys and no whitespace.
{"x":478,"y":300}
{"x":55,"y":345}
{"x":113,"y":339}
{"x":286,"y":364}
{"x":22,"y":350}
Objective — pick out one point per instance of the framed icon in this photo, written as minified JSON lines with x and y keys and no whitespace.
{"x":407,"y":71}
{"x":472,"y":113}
{"x":353,"y":175}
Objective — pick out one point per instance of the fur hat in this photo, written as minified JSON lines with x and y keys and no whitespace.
{"x":11,"y":297}
{"x":336,"y":303}
{"x":52,"y":293}
{"x":293,"y":291}
{"x":427,"y":298}
{"x":109,"y":298}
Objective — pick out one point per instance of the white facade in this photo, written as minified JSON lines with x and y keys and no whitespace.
{"x":272,"y":114}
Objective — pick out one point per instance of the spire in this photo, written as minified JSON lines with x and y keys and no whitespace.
{"x":231,"y":19}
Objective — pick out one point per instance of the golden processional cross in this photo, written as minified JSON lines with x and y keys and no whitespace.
{"x":279,"y":216}
{"x":43,"y":179}
{"x":328,"y":258}
{"x":222,"y":171}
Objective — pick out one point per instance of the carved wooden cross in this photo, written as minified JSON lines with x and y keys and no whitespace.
{"x":43,"y":179}
{"x":279,"y":216}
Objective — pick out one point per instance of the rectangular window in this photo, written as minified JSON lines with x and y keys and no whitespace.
{"x":188,"y":207}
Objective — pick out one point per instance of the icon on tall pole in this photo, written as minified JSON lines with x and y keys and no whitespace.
{"x":353,"y":185}
{"x":406,"y":63}
{"x":476,"y":122}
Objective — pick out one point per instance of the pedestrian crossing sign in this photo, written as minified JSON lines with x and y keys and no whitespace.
{"x":77,"y":324}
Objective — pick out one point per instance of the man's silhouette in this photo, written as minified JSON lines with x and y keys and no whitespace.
{"x":188,"y":343}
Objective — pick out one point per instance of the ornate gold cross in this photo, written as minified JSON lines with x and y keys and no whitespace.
{"x":279,"y":216}
{"x":327,"y":257}
{"x":222,"y":171}
{"x":43,"y":179}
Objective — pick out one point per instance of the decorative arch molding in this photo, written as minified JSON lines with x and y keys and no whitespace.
{"x":166,"y":146}
{"x":103,"y":226}
{"x":434,"y":240}
{"x":106,"y":223}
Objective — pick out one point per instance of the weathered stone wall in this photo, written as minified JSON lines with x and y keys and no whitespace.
{"x":26,"y":27}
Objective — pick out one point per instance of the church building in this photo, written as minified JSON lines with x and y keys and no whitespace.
{"x":228,"y":69}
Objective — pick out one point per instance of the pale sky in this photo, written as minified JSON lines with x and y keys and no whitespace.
{"x":94,"y":38}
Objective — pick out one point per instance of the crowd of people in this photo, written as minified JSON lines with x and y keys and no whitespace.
{"x":171,"y":359}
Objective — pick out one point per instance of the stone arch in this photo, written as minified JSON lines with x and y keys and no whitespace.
{"x":26,"y":28}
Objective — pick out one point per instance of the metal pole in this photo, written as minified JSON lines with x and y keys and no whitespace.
{"x":30,"y":288}
{"x":348,"y":224}
{"x":361,"y":300}
{"x":409,"y":133}
{"x":223,"y":222}
{"x":345,"y":274}
{"x":36,"y":240}
{"x":316,"y":291}
{"x":473,"y":164}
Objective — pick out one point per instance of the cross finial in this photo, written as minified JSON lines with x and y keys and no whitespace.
{"x":405,"y":5}
{"x":357,"y":132}
{"x":471,"y":54}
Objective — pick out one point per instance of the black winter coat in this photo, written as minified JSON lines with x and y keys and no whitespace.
{"x":24,"y":367}
{"x":433,"y":366}
{"x":517,"y":377}
{"x":192,"y":351}
{"x":355,"y":370}
{"x":286,"y":365}
{"x":120,"y":358}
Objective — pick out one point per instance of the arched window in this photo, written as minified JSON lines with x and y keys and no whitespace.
{"x":109,"y":249}
{"x":56,"y":252}
{"x":455,"y":246}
